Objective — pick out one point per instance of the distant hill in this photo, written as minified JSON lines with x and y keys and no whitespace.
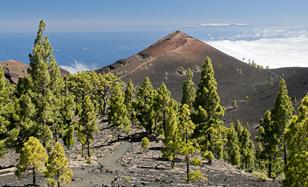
{"x":15,"y":69}
{"x":168,"y":59}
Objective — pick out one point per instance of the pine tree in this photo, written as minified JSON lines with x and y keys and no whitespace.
{"x":172,"y":139}
{"x":246,"y":144}
{"x":297,"y":142}
{"x":233,"y":148}
{"x":164,"y":102}
{"x":33,"y":156}
{"x":281,"y":115}
{"x":130,"y":100}
{"x":6,"y":109}
{"x":67,"y":118}
{"x":87,"y":126}
{"x":118,"y":114}
{"x":186,"y":129}
{"x":25,"y":110}
{"x":58,"y":170}
{"x":208,"y":112}
{"x":189,"y":90}
{"x":268,"y":141}
{"x":145,"y":110}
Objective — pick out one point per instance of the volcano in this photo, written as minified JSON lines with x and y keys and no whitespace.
{"x":254,"y":89}
{"x":13,"y":70}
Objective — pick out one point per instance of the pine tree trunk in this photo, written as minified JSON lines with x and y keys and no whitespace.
{"x":88,"y":145}
{"x":172,"y":164}
{"x":210,"y":147}
{"x":285,"y":155}
{"x":187,"y":158}
{"x":58,"y":176}
{"x":270,"y":167}
{"x":187,"y":168}
{"x":34,"y":176}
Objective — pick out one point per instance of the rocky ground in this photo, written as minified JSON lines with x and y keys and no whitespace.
{"x":125,"y":163}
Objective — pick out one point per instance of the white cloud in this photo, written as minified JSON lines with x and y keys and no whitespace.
{"x":216,"y":25}
{"x":274,"y":52}
{"x":77,"y":67}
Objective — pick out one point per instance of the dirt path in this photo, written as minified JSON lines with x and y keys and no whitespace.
{"x":112,"y":162}
{"x":107,"y":170}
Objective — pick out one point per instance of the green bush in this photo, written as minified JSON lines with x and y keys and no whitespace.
{"x":196,"y":161}
{"x":145,"y":143}
{"x":197,"y":176}
{"x":208,"y":155}
{"x":260,"y":175}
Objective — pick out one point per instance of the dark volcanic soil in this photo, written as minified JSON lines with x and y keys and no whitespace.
{"x":125,"y":163}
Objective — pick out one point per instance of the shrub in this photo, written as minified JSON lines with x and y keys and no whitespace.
{"x":197,"y":176}
{"x":260,"y":175}
{"x":145,"y":143}
{"x":208,"y":155}
{"x":196,"y":161}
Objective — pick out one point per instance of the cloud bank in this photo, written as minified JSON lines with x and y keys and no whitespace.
{"x":77,"y":67}
{"x":216,"y":25}
{"x":272,"y":52}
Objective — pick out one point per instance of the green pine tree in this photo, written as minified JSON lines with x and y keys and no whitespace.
{"x":297,"y":142}
{"x":58,"y":170}
{"x":118,"y":114}
{"x":186,"y":128}
{"x":34,"y":157}
{"x":164,"y":102}
{"x":7,"y":110}
{"x":281,"y":115}
{"x":189,"y":90}
{"x":172,"y":139}
{"x":246,"y":144}
{"x":209,"y":112}
{"x":130,"y":100}
{"x":268,"y":142}
{"x":233,"y":148}
{"x":145,"y":110}
{"x":87,"y":126}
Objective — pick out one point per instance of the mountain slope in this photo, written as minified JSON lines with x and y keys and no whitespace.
{"x":15,"y":69}
{"x":168,"y":59}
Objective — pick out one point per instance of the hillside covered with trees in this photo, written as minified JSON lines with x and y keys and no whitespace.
{"x":47,"y":116}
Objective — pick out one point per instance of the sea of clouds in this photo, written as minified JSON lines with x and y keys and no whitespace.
{"x":275,"y":47}
{"x":77,"y":67}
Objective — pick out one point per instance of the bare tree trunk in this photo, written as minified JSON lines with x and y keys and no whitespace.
{"x":34,"y":176}
{"x":58,"y":176}
{"x":210,"y":148}
{"x":187,"y":157}
{"x":88,"y":145}
{"x":187,"y":168}
{"x":285,"y":155}
{"x":270,"y":167}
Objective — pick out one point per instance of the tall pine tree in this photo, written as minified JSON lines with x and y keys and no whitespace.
{"x":297,"y":141}
{"x":87,"y":126}
{"x":130,"y":101}
{"x":186,"y":129}
{"x":58,"y":170}
{"x":118,"y":114}
{"x":268,"y":142}
{"x":281,"y":116}
{"x":146,"y":100}
{"x":189,"y":90}
{"x":33,"y":156}
{"x":208,"y":111}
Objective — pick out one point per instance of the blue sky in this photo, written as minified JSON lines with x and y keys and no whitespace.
{"x":142,"y":15}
